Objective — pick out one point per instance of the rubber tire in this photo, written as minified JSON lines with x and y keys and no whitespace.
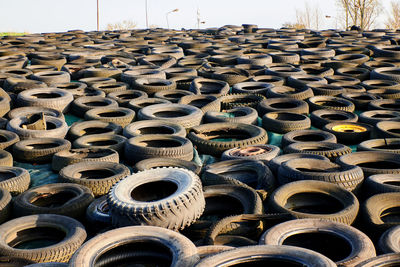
{"x":18,"y":182}
{"x":5,"y":205}
{"x":350,"y":138}
{"x":60,"y":103}
{"x":83,"y":128}
{"x":383,"y":260}
{"x":122,"y":120}
{"x":263,"y":153}
{"x":281,"y":254}
{"x":362,"y":247}
{"x":183,"y":251}
{"x":192,"y":117}
{"x":350,"y":205}
{"x":26,"y":111}
{"x":329,"y":150}
{"x":341,"y":103}
{"x":348,"y":177}
{"x":367,"y":158}
{"x":307,"y":136}
{"x":154,"y":163}
{"x":174,"y":211}
{"x":389,"y":241}
{"x":154,"y":127}
{"x":8,"y":139}
{"x":240,"y":115}
{"x":256,"y":134}
{"x":276,"y":162}
{"x":25,"y":150}
{"x":112,"y":141}
{"x":62,"y":251}
{"x":283,"y":122}
{"x":74,"y":207}
{"x":6,"y":159}
{"x":381,"y":183}
{"x":319,"y":118}
{"x":99,"y":185}
{"x":290,"y":105}
{"x":383,"y":145}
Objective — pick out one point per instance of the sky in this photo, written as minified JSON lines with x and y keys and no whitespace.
{"x":37,"y":16}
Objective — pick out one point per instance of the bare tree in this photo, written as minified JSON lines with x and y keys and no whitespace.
{"x":124,"y":25}
{"x":393,"y":21}
{"x":361,"y":13}
{"x":309,"y":17}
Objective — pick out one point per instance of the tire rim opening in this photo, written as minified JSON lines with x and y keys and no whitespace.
{"x":37,"y":237}
{"x":154,"y":191}
{"x":52,"y":200}
{"x":313,"y":203}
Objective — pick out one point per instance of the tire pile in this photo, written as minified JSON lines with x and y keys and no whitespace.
{"x":231,"y":146}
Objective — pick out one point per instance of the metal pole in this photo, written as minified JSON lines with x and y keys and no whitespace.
{"x":97,"y":15}
{"x":147,"y":18}
{"x":167,"y":20}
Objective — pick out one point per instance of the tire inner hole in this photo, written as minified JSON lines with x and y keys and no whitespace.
{"x":309,"y":138}
{"x":160,"y":143}
{"x":391,"y":215}
{"x":313,"y":203}
{"x":37,"y":237}
{"x":94,"y":174}
{"x":170,"y":114}
{"x":52,"y":200}
{"x":220,"y":206}
{"x":154,"y":191}
{"x":331,"y":245}
{"x":136,"y":253}
{"x":155,"y":130}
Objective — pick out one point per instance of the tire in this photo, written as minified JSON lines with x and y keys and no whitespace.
{"x":329,"y":150}
{"x":311,"y":197}
{"x":330,"y":102}
{"x":153,"y":163}
{"x":284,"y":105}
{"x":360,"y":100}
{"x":239,"y":171}
{"x":264,"y":153}
{"x":111,"y":87}
{"x":382,"y":260}
{"x":205,"y":251}
{"x":138,"y":104}
{"x":230,"y":101}
{"x":251,"y":88}
{"x":67,"y":157}
{"x":85,"y":103}
{"x":117,"y":115}
{"x":319,"y":118}
{"x":99,"y":177}
{"x":283,"y":122}
{"x":67,"y":233}
{"x":39,"y":150}
{"x":349,"y":133}
{"x":59,"y":128}
{"x":153,"y":85}
{"x":383,"y":145}
{"x":384,"y":104}
{"x":372,"y":117}
{"x":388,"y":129}
{"x":94,"y":80}
{"x":379,"y":213}
{"x":97,"y":214}
{"x":389,"y":241}
{"x":185,"y":115}
{"x":7,"y":139}
{"x":150,"y":245}
{"x":6,"y":159}
{"x":51,"y":77}
{"x":388,"y":73}
{"x":372,"y":162}
{"x":204,"y":86}
{"x":4,"y":106}
{"x":331,"y":239}
{"x":28,"y":111}
{"x":16,"y":180}
{"x":307,"y":136}
{"x":321,"y":89}
{"x":112,"y":141}
{"x":381,"y":183}
{"x":85,"y":128}
{"x":5,"y":205}
{"x":124,"y":97}
{"x":203,"y":102}
{"x":267,"y":255}
{"x":236,"y":115}
{"x":156,"y":145}
{"x":157,"y":206}
{"x":54,"y":98}
{"x":60,"y":198}
{"x":348,"y":177}
{"x":285,"y":91}
{"x":153,"y":127}
{"x":172,"y":95}
{"x":204,"y":141}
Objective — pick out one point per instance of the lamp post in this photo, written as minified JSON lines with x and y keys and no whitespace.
{"x":166,"y":15}
{"x":147,"y":18}
{"x":97,"y":15}
{"x":330,"y":17}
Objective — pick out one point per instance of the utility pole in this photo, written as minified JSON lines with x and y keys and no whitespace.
{"x":147,"y":18}
{"x":198,"y":18}
{"x":97,"y":15}
{"x":166,"y":15}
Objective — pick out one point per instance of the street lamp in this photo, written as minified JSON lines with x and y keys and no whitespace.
{"x":166,"y":15}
